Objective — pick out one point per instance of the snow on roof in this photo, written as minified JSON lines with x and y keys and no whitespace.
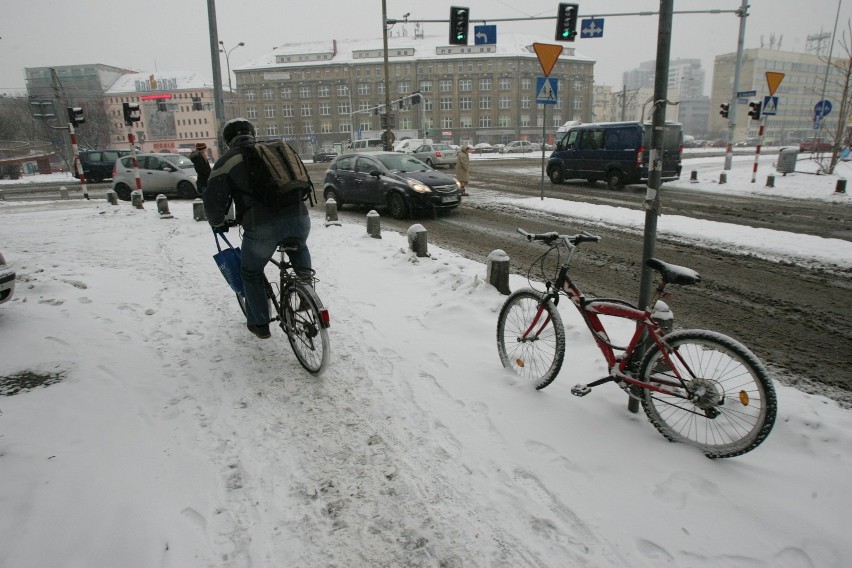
{"x":400,"y":48}
{"x":164,"y":80}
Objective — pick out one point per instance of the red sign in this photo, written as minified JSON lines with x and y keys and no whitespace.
{"x":153,"y":97}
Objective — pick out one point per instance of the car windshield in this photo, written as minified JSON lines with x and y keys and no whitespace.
{"x":180,"y":161}
{"x":442,"y":147}
{"x":402,"y":163}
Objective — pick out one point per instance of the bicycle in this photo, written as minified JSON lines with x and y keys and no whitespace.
{"x":298,"y":310}
{"x":696,"y":386}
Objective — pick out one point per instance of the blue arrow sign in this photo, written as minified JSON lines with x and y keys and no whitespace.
{"x":591,"y":28}
{"x":546,"y":87}
{"x":822,"y":109}
{"x":484,"y":35}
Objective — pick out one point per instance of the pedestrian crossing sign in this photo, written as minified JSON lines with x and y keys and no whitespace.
{"x":546,"y":88}
{"x":770,"y":106}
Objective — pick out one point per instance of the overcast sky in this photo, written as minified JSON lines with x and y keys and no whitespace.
{"x":170,"y":35}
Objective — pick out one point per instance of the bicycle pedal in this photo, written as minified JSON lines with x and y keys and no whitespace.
{"x":581,"y":390}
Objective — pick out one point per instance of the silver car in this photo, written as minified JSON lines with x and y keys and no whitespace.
{"x":169,"y":174}
{"x":436,"y":155}
{"x":7,"y":281}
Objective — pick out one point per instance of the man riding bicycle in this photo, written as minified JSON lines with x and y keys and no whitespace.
{"x":263,"y":227}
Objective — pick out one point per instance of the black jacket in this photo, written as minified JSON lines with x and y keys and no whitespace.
{"x":229,"y":181}
{"x":202,"y":167}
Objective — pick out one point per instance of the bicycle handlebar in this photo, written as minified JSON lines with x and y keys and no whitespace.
{"x":551,"y":236}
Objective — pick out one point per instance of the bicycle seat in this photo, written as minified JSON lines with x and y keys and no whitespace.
{"x":290,"y":244}
{"x":674,"y":274}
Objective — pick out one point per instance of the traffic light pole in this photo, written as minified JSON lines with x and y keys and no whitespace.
{"x":77,"y":164}
{"x":759,"y":144}
{"x":732,"y":109}
{"x":132,"y":141}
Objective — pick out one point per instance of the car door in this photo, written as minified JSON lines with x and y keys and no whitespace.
{"x":589,"y":152}
{"x":368,"y":188}
{"x":154,"y":176}
{"x":343,"y":178}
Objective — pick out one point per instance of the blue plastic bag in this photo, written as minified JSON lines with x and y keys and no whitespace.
{"x":229,"y":260}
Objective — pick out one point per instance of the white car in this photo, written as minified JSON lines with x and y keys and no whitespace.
{"x":7,"y":281}
{"x":520,"y":147}
{"x":484,"y":148}
{"x":169,"y":174}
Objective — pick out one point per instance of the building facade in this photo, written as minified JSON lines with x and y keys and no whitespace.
{"x":332,"y":92}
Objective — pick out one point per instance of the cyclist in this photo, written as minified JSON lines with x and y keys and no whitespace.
{"x":263,"y":227}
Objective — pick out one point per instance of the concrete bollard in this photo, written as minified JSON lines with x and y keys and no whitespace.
{"x":112,"y":197}
{"x":163,"y":207}
{"x":770,"y":181}
{"x":693,"y":177}
{"x":374,"y":225}
{"x":840,"y":187}
{"x":723,"y":178}
{"x":331,"y":212}
{"x":63,"y":192}
{"x":136,"y":199}
{"x":417,"y":240}
{"x":497,"y":271}
{"x":198,"y":212}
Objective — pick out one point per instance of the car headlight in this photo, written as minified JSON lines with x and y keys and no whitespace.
{"x":417,"y":186}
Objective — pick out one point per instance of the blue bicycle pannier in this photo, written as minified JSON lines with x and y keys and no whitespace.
{"x":229,"y":260}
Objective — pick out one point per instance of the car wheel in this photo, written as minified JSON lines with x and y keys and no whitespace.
{"x":94,"y":177}
{"x":614,"y":179}
{"x":556,"y":175}
{"x":397,"y":207}
{"x":429,"y":163}
{"x":331,"y":193}
{"x":186,"y":190}
{"x":122,"y":190}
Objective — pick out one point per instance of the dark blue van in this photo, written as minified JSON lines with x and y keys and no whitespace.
{"x":615,"y":152}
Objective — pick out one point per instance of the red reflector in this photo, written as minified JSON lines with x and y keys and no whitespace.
{"x":639,"y":155}
{"x":437,"y":154}
{"x":325,"y":317}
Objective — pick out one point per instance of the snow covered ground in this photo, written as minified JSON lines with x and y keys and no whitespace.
{"x":172,"y":437}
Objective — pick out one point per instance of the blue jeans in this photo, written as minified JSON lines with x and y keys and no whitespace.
{"x":259,"y":244}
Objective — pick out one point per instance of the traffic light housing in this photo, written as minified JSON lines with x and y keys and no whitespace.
{"x":566,"y":22}
{"x":75,"y":115}
{"x":459,"y":18}
{"x":416,"y":98}
{"x":755,"y":107}
{"x":196,"y":103}
{"x":724,"y":110}
{"x":131,"y":113}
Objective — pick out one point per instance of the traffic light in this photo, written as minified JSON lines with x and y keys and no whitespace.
{"x":131,"y":113}
{"x":75,"y":115}
{"x":196,"y":103}
{"x":724,"y":111}
{"x":755,"y":106}
{"x":416,"y":98}
{"x":566,"y":22}
{"x":161,"y":106}
{"x":458,"y":25}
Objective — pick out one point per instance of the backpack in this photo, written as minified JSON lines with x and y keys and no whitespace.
{"x":277,"y":175}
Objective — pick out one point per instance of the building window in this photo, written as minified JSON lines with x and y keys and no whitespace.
{"x":287,"y":111}
{"x":268,"y":95}
{"x":403,"y":87}
{"x":269,"y":111}
{"x":465,"y":122}
{"x":425,"y":86}
{"x":484,"y":121}
{"x":286,"y":92}
{"x":446,"y":122}
{"x":505,"y":101}
{"x":505,"y":84}
{"x":526,"y":84}
{"x":251,"y":112}
{"x":345,"y":126}
{"x":380,"y":88}
{"x":325,"y":127}
{"x":323,"y":91}
{"x":446,"y":103}
{"x":308,"y":128}
{"x":485,"y":84}
{"x":343,"y":108}
{"x":465,"y":85}
{"x":306,"y":109}
{"x":272,"y":129}
{"x":250,"y":96}
{"x":325,"y":109}
{"x":525,"y":120}
{"x":305,"y":92}
{"x":525,"y":101}
{"x":405,"y":122}
{"x":427,"y":105}
{"x":446,"y":85}
{"x":363,"y":89}
{"x":504,"y":121}
{"x":288,"y":128}
{"x":484,"y":103}
{"x":343,"y":90}
{"x":465,"y":103}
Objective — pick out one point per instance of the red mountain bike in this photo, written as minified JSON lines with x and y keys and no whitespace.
{"x":697,"y":387}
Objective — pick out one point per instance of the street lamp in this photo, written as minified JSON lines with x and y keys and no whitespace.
{"x":228,"y":64}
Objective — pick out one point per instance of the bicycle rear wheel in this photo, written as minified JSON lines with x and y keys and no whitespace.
{"x":306,"y":324}
{"x":531,"y":342}
{"x":734,"y":405}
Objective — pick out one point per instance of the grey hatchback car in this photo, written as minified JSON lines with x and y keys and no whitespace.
{"x":169,"y":174}
{"x":394,"y":180}
{"x":434,"y":155}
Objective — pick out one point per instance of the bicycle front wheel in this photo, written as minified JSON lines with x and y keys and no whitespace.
{"x":732,"y":403}
{"x":530,"y":337}
{"x":305,"y":322}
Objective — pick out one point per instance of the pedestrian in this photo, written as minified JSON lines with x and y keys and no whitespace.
{"x":263,"y":227}
{"x":202,"y":166}
{"x":463,"y":168}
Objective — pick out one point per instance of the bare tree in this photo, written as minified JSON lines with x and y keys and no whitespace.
{"x":838,"y":90}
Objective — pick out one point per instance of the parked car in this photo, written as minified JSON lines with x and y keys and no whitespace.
{"x":498,"y":147}
{"x":818,"y":146}
{"x":98,"y":164}
{"x":367,"y":145}
{"x":520,"y":147}
{"x":409,"y":145}
{"x":169,"y":174}
{"x":484,"y":148}
{"x":435,"y":155}
{"x":616,"y":152}
{"x":400,"y":182}
{"x":325,"y":155}
{"x":7,"y":281}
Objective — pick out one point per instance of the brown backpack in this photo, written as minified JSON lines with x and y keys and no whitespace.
{"x":278,"y":176}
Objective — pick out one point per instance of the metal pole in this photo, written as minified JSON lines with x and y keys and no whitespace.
{"x":543,"y":134}
{"x":655,"y":159}
{"x":77,"y":163}
{"x":388,"y":141}
{"x":218,"y":104}
{"x":742,"y":13}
